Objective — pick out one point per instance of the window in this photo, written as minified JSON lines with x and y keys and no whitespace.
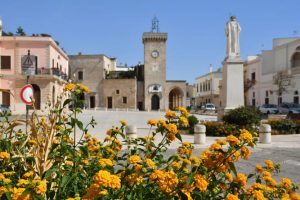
{"x":80,"y":75}
{"x":52,"y":63}
{"x":267,"y":93}
{"x":5,"y":62}
{"x":253,"y":94}
{"x":125,"y":100}
{"x":253,"y":76}
{"x":6,"y":98}
{"x":117,"y":91}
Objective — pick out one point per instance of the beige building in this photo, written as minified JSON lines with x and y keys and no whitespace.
{"x":275,"y":73}
{"x":142,"y":87}
{"x":207,"y":88}
{"x":31,"y":59}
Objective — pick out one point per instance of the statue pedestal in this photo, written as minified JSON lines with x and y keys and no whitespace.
{"x":232,"y":91}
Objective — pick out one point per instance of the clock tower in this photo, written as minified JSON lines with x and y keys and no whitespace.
{"x":154,"y":68}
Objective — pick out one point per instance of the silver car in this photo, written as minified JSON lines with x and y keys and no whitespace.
{"x":286,"y":108}
{"x":268,"y":109}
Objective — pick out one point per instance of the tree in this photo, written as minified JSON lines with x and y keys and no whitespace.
{"x":20,"y":31}
{"x":282,"y":79}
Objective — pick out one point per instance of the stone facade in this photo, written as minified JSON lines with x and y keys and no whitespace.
{"x":142,"y":87}
{"x":207,"y":88}
{"x":48,"y":72}
{"x":91,"y":70}
{"x":281,"y":63}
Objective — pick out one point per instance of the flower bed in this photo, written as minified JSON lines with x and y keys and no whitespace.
{"x":53,"y":161}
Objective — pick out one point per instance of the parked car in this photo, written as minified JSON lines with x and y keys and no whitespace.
{"x":209,"y":107}
{"x":268,"y":109}
{"x":4,"y":108}
{"x":287,"y":108}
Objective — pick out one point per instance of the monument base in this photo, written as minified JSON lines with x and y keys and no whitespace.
{"x":232,"y":92}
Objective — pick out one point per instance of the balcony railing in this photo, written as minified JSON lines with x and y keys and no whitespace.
{"x":45,"y":71}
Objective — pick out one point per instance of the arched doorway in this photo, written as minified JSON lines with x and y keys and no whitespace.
{"x":36,"y":96}
{"x":175,"y":99}
{"x":155,"y":102}
{"x":296,"y":60}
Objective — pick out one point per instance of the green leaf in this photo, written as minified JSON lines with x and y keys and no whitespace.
{"x":67,"y":101}
{"x":178,"y":136}
{"x":232,"y":167}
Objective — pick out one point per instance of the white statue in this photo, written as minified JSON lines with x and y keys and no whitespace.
{"x":232,"y":31}
{"x":1,"y":27}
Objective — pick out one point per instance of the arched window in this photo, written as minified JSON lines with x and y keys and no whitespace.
{"x":80,"y":75}
{"x":296,"y":60}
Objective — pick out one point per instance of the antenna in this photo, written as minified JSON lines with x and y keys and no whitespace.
{"x":155,"y":25}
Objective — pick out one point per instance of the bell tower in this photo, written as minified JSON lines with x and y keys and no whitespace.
{"x":155,"y":67}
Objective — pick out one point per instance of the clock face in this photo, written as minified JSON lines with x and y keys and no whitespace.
{"x":154,"y":54}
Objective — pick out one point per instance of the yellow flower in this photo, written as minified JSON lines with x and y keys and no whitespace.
{"x":150,"y":163}
{"x":85,"y":162}
{"x":258,"y":195}
{"x":184,"y":121}
{"x":70,"y":163}
{"x":40,"y":186}
{"x":259,"y":168}
{"x":232,"y":197}
{"x":269,"y":164}
{"x":87,"y":136}
{"x":215,"y":147}
{"x":195,"y":160}
{"x":172,"y":128}
{"x":105,"y":162}
{"x":22,"y":182}
{"x":103,"y":193}
{"x":183,"y":111}
{"x":228,"y":177}
{"x":286,"y":183}
{"x":108,"y":132}
{"x":70,"y":86}
{"x":4,"y":155}
{"x":134,"y":159}
{"x":123,"y":123}
{"x":200,"y":182}
{"x":232,"y":140}
{"x":237,"y":155}
{"x":29,"y":174}
{"x":2,"y":190}
{"x":170,"y":115}
{"x":152,"y":122}
{"x":241,"y":179}
{"x":84,"y":88}
{"x":246,"y":136}
{"x":221,"y":142}
{"x":104,"y":178}
{"x":245,"y":152}
{"x":176,"y":165}
{"x":32,"y":142}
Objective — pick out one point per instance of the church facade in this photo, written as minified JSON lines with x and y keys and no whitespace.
{"x":141,"y":87}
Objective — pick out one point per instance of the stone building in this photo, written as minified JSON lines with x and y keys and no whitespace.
{"x":142,"y":87}
{"x":36,"y":57}
{"x":207,"y":88}
{"x":274,"y":75}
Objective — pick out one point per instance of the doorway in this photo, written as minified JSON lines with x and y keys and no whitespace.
{"x":109,"y":102}
{"x":155,"y":102}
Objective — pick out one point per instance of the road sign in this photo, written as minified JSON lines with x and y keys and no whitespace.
{"x":27,"y":94}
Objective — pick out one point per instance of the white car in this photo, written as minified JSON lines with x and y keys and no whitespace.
{"x":209,"y":107}
{"x":268,"y":109}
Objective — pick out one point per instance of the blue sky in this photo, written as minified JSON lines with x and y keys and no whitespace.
{"x":195,"y":27}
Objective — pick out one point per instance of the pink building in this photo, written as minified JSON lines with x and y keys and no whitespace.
{"x":47,"y":68}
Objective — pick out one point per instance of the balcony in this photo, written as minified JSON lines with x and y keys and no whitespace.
{"x":45,"y":71}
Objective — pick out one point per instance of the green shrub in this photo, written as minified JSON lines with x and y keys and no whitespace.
{"x":192,"y":122}
{"x":244,"y":117}
{"x":283,"y":126}
{"x":220,"y":129}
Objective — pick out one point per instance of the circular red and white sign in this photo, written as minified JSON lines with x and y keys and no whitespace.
{"x":27,"y":94}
